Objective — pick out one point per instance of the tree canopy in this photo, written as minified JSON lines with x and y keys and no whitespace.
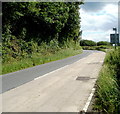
{"x":42,"y":21}
{"x":28,"y":25}
{"x":103,"y":43}
{"x":87,"y":43}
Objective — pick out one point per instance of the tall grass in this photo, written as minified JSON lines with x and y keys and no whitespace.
{"x":46,"y":54}
{"x":108,"y":88}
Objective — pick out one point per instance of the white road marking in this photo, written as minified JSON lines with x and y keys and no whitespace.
{"x":50,"y":73}
{"x":89,"y":100}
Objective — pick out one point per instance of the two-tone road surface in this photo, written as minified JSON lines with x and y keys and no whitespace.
{"x":15,"y":79}
{"x":60,"y":86}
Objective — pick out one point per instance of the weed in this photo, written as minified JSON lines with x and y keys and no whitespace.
{"x":46,"y":53}
{"x":108,"y":88}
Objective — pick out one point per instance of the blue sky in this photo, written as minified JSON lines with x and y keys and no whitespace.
{"x":98,"y":19}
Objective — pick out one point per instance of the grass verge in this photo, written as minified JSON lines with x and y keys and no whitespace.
{"x":107,"y":97}
{"x":37,"y":59}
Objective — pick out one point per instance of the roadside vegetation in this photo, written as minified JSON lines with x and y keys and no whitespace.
{"x":38,"y":32}
{"x":107,"y":96}
{"x":87,"y":43}
{"x":105,"y":43}
{"x":92,"y":45}
{"x":99,"y":48}
{"x":47,"y":54}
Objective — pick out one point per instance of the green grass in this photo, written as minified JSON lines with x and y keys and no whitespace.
{"x":107,"y":91}
{"x":37,"y":59}
{"x":108,"y":87}
{"x":29,"y":54}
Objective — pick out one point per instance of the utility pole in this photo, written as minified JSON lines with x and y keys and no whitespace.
{"x":115,"y":29}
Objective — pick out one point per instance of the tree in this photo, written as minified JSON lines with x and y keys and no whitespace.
{"x":87,"y":43}
{"x":28,"y":23}
{"x":42,"y":21}
{"x":102,"y":43}
{"x":71,"y":30}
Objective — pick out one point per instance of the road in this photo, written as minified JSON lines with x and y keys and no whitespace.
{"x":15,"y":79}
{"x":65,"y":89}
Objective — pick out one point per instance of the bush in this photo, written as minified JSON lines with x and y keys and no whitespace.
{"x":87,"y":43}
{"x":113,"y":59}
{"x":108,"y":86}
{"x":107,"y":91}
{"x":103,"y":43}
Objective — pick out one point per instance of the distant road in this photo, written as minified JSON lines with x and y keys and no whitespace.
{"x":67,"y":89}
{"x":15,"y":79}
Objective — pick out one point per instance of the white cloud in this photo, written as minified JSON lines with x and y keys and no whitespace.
{"x":112,"y":10}
{"x":97,"y":35}
{"x":97,"y":25}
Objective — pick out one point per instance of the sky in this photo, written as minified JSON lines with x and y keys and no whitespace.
{"x":98,"y":20}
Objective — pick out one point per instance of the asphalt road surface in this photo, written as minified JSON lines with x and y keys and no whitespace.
{"x":15,"y":79}
{"x":53,"y":89}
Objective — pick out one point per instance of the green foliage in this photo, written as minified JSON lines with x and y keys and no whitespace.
{"x":87,"y":43}
{"x":108,"y":86}
{"x":42,"y":21}
{"x":37,"y":59}
{"x":103,"y":43}
{"x":99,"y":48}
{"x":71,"y":30}
{"x":71,"y":44}
{"x":113,"y":60}
{"x":38,"y":27}
{"x":107,"y":91}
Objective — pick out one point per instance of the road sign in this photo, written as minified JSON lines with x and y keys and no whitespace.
{"x":113,"y":39}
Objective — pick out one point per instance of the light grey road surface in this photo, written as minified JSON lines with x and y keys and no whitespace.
{"x":15,"y":79}
{"x":66,"y":89}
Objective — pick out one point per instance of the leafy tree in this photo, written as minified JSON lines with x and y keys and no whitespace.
{"x":42,"y":21}
{"x":71,"y":30}
{"x":102,"y":43}
{"x":87,"y":43}
{"x":27,"y":23}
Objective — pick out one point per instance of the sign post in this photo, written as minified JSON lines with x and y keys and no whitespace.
{"x":114,"y":38}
